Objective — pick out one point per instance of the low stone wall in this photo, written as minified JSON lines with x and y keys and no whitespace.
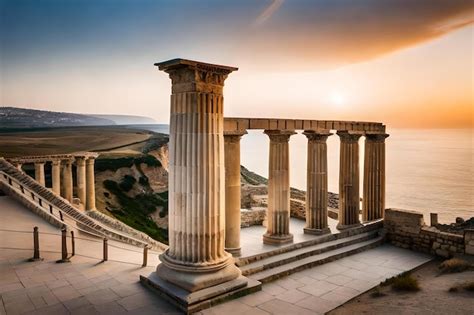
{"x":407,"y":229}
{"x":252,"y":217}
{"x":469,"y":241}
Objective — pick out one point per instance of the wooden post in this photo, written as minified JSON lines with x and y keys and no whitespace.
{"x":63,"y":246}
{"x":145,"y":256}
{"x":36,"y":251}
{"x":106,"y":251}
{"x":73,"y":244}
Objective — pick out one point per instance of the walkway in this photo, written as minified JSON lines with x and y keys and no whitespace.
{"x":87,"y":286}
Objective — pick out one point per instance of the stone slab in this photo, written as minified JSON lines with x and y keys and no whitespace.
{"x":191,"y":302}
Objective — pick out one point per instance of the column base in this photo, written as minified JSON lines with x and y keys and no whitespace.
{"x":234,"y":251}
{"x":191,"y":302}
{"x":323,"y":231}
{"x":348,"y":226}
{"x":194,"y":280}
{"x":276,"y":239}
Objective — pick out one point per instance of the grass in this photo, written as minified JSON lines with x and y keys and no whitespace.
{"x":454,"y":265}
{"x":403,"y":282}
{"x":468,"y":286}
{"x":136,"y":211}
{"x":110,"y":164}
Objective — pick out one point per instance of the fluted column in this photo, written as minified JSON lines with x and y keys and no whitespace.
{"x":81,"y":179}
{"x":56,"y":176}
{"x":232,"y":191}
{"x":90,"y":184}
{"x":66,"y":180}
{"x":317,"y":183}
{"x":278,"y":214}
{"x":349,"y":198}
{"x":39,"y":173}
{"x":373,"y":199}
{"x":196,"y":258}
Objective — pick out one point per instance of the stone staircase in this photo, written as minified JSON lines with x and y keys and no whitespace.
{"x":285,"y":261}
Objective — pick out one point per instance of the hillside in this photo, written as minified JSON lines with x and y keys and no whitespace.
{"x":127,"y":119}
{"x":16,"y":118}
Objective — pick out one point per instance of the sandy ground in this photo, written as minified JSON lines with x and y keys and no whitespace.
{"x":68,"y":140}
{"x":433,"y":298}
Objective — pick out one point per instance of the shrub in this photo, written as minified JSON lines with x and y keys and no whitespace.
{"x":469,"y":286}
{"x":143,"y":180}
{"x":405,"y":282}
{"x":454,"y":265}
{"x":127,"y":183}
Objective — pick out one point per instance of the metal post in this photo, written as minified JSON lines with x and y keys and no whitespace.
{"x":36,"y":251}
{"x":73,"y":244}
{"x":106,"y":252}
{"x":63,"y":246}
{"x":145,"y":256}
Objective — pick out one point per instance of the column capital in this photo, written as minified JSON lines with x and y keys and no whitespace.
{"x":279,"y":135}
{"x":349,"y":136}
{"x":39,"y":163}
{"x":234,"y":135}
{"x":56,"y":162}
{"x":376,"y":137}
{"x":317,"y":135}
{"x":194,"y":76}
{"x":90,"y":160}
{"x":80,"y":160}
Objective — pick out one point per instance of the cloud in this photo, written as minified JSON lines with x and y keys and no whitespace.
{"x":322,"y":34}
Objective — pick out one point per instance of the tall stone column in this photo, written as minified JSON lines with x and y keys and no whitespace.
{"x":317,"y":183}
{"x":81,"y":178}
{"x":66,"y":180}
{"x":373,"y":199}
{"x":232,"y":191}
{"x":56,"y":176}
{"x":278,"y":214}
{"x":349,"y":199}
{"x":90,"y":184}
{"x":39,"y":173}
{"x":196,"y":258}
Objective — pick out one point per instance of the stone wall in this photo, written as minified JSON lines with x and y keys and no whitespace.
{"x":407,"y":229}
{"x":469,"y":241}
{"x":252,"y":217}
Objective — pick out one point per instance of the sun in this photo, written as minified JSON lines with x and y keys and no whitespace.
{"x":337,"y":98}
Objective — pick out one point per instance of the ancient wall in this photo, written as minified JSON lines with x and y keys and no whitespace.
{"x":407,"y":229}
{"x":252,"y":217}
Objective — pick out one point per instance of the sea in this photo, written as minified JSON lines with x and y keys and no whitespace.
{"x":427,"y":170}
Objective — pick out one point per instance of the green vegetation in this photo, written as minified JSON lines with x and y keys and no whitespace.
{"x":376,"y":293}
{"x":135,"y":211}
{"x":454,"y":265}
{"x":109,"y":164}
{"x":468,"y":286}
{"x":127,"y":183}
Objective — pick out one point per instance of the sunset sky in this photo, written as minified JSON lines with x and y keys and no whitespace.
{"x":407,"y":63}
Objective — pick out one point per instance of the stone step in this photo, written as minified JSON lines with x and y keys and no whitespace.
{"x":271,"y":274}
{"x":323,"y":239}
{"x":297,"y":254}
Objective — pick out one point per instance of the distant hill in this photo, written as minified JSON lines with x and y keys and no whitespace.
{"x":19,"y":118}
{"x":128,"y":119}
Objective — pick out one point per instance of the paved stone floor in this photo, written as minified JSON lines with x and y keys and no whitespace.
{"x":87,"y":286}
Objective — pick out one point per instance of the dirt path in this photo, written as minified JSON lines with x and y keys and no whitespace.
{"x":433,"y":298}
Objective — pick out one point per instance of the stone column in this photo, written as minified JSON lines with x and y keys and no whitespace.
{"x":278,"y":214}
{"x":90,"y":184}
{"x":39,"y":173}
{"x":81,"y":179}
{"x":349,"y":199}
{"x":232,"y":191}
{"x":56,"y":176}
{"x":196,"y":258}
{"x":373,"y":199}
{"x":66,"y":180}
{"x":317,"y":183}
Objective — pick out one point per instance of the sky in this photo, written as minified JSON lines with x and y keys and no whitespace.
{"x":406,"y":63}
